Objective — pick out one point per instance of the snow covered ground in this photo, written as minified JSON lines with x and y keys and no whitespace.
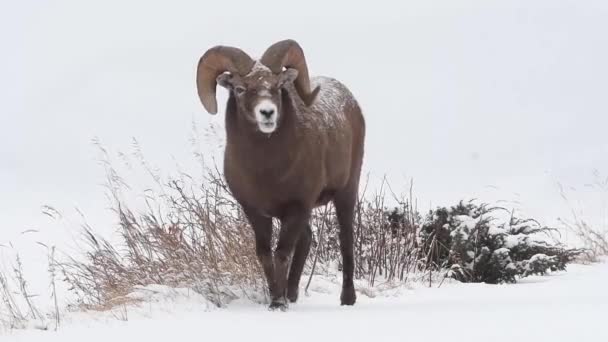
{"x":496,"y":100}
{"x":564,"y":306}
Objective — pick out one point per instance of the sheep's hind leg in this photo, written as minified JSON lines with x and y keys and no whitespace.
{"x":345,"y":209}
{"x":297,"y":264}
{"x":293,"y":222}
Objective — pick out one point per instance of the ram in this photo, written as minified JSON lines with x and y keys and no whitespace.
{"x":293,"y":144}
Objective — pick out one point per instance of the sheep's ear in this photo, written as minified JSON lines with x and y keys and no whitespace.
{"x":288,"y":76}
{"x":225,"y":80}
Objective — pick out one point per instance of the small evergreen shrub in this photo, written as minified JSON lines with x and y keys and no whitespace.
{"x":475,"y":246}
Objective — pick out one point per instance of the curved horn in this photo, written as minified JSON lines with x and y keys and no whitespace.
{"x":214,"y":62}
{"x":289,"y":54}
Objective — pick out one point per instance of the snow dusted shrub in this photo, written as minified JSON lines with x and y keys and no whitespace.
{"x":435,"y":239}
{"x":477,"y":247}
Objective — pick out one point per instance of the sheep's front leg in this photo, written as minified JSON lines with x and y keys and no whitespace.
{"x":294,"y":222}
{"x":262,"y":227}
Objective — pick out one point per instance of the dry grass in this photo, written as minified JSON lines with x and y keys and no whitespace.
{"x":189,"y":235}
{"x":593,"y":237}
{"x":385,"y":241}
{"x":17,"y":307}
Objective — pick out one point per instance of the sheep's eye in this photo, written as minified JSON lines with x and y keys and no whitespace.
{"x":239,"y":90}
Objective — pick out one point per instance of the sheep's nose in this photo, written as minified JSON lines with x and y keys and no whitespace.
{"x":267,"y":113}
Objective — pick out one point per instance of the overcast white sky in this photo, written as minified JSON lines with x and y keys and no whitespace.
{"x":486,"y":99}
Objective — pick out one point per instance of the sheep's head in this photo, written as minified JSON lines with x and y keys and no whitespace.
{"x":255,"y":85}
{"x":258,"y":95}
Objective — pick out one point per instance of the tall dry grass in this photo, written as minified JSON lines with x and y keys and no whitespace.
{"x":592,"y":236}
{"x":187,"y":235}
{"x":385,"y":240}
{"x":18,"y":308}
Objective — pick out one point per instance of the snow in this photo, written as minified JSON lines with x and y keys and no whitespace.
{"x":258,"y":67}
{"x":467,"y":221}
{"x":329,"y":104}
{"x":466,"y":224}
{"x":559,"y":307}
{"x":512,"y":241}
{"x":495,"y":230}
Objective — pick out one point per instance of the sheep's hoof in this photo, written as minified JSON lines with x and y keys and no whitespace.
{"x":292,"y":295}
{"x":348,"y":296}
{"x":278,"y":304}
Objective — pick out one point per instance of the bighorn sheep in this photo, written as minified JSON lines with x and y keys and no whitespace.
{"x":289,"y":149}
